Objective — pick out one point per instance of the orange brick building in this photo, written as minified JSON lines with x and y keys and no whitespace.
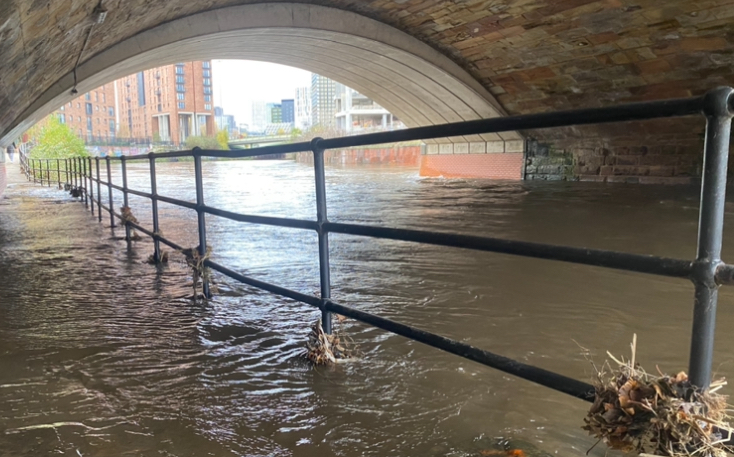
{"x":93,"y":115}
{"x":166,"y":104}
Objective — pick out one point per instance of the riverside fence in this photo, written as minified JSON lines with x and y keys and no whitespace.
{"x":707,"y":271}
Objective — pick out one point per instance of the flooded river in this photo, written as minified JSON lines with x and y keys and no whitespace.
{"x":104,"y":355}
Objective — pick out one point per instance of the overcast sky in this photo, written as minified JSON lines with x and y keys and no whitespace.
{"x":237,"y":83}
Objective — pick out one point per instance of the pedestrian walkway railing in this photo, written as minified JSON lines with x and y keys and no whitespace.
{"x":706,"y":271}
{"x":46,"y":171}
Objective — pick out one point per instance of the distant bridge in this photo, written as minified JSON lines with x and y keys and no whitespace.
{"x":259,"y":141}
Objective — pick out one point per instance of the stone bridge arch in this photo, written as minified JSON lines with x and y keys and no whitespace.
{"x":530,"y":56}
{"x":409,"y":78}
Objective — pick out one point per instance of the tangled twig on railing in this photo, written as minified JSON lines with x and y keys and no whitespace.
{"x":127,"y":216}
{"x":325,"y":349}
{"x":195,"y":260}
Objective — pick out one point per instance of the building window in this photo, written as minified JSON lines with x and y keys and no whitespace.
{"x":207,"y":90}
{"x":207,"y":73}
{"x":179,"y":69}
{"x":207,"y":98}
{"x":207,"y":106}
{"x":89,"y":124}
{"x":110,"y":111}
{"x":207,"y":64}
{"x":112,"y":125}
{"x":207,"y":82}
{"x":89,"y":108}
{"x":78,"y":118}
{"x":181,"y":105}
{"x":62,"y":118}
{"x":180,"y":96}
{"x":96,"y":108}
{"x":87,"y":96}
{"x":78,"y":105}
{"x":180,"y":88}
{"x":62,"y":108}
{"x":180,"y":79}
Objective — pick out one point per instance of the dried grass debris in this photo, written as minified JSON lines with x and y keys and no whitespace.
{"x":635,"y":411}
{"x":327,"y":349}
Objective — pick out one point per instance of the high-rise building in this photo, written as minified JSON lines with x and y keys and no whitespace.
{"x":93,"y":115}
{"x":288,"y":110}
{"x":322,"y":101}
{"x":302,"y":107}
{"x":260,"y":116}
{"x":170,"y":103}
{"x":276,"y":113}
{"x":225,"y":122}
{"x":355,"y":111}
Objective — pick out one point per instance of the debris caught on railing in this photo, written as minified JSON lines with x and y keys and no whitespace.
{"x":325,"y":349}
{"x":151,"y":258}
{"x":75,"y":192}
{"x":127,"y":216}
{"x":662,"y":415}
{"x":195,"y":260}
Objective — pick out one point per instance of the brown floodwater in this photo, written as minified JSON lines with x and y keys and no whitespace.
{"x":104,"y":355}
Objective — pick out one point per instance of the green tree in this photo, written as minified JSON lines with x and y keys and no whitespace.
{"x":55,"y":140}
{"x":223,"y":139}
{"x":204,"y":142}
{"x":296,"y":133}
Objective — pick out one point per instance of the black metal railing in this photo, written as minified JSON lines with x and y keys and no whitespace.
{"x":707,"y":271}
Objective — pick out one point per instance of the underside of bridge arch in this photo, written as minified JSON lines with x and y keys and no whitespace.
{"x":427,"y":61}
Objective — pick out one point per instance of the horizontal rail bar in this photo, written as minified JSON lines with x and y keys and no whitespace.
{"x":160,"y":238}
{"x":175,"y":201}
{"x":628,"y":112}
{"x":537,"y":375}
{"x":263,"y":220}
{"x":725,"y":275}
{"x":618,"y":260}
{"x":298,"y":296}
{"x":546,"y":378}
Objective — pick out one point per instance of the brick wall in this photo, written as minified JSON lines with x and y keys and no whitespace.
{"x":493,"y":166}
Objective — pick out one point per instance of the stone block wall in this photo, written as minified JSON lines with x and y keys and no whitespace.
{"x":658,"y":160}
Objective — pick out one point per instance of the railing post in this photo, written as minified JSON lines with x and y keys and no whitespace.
{"x":718,"y":107}
{"x":83,"y":167}
{"x":66,"y":172}
{"x":58,"y":172}
{"x":48,"y":172}
{"x":201,"y":216}
{"x":109,"y":193}
{"x":75,"y":172}
{"x":321,"y":218}
{"x":154,"y":208}
{"x":91,"y":184}
{"x":125,"y":199}
{"x":99,"y":191}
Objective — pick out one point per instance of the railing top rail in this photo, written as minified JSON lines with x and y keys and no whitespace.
{"x":629,"y":112}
